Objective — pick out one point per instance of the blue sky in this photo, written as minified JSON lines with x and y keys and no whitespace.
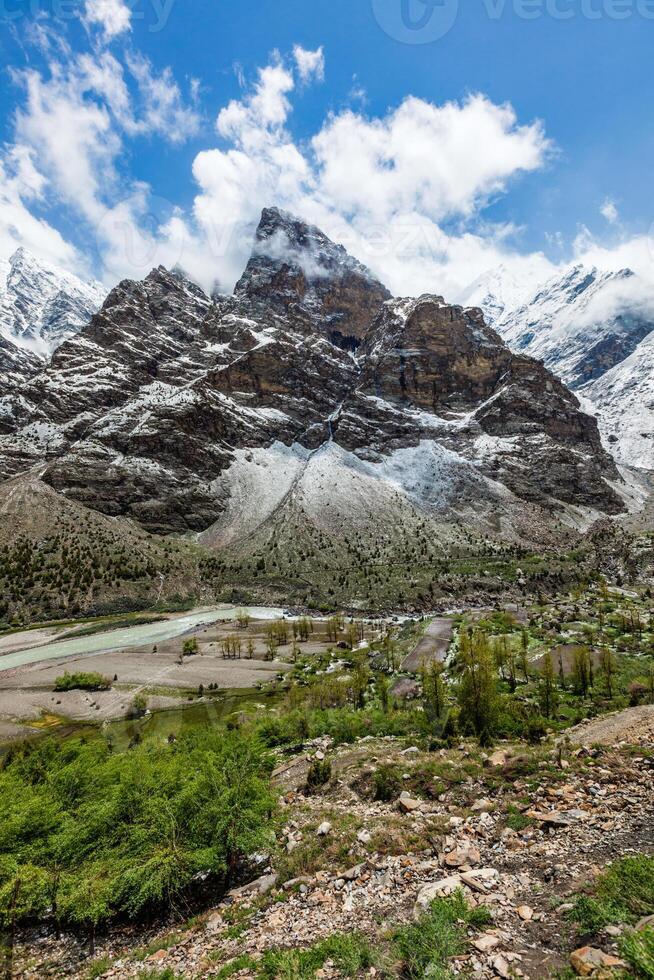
{"x":568,"y":176}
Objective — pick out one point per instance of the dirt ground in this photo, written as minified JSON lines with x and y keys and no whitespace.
{"x":26,"y":693}
{"x":631,"y":725}
{"x":433,"y":646}
{"x":26,"y":641}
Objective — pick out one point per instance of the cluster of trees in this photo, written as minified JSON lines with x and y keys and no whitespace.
{"x":88,"y":835}
{"x":82,"y":682}
{"x":67,"y":571}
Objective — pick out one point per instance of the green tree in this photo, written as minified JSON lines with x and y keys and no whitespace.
{"x":524,"y":654}
{"x":608,"y":667}
{"x":582,"y":672}
{"x":434,"y":695}
{"x":477,"y":692}
{"x":548,"y":693}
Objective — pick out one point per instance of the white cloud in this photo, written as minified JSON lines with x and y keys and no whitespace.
{"x":609,"y":211}
{"x":72,"y":138}
{"x":404,"y":191}
{"x":266,"y":107}
{"x":163,"y":110}
{"x":384,"y":186}
{"x":75,"y":120}
{"x":422,"y":157}
{"x":113,"y":16}
{"x":310,"y":64}
{"x":20,"y":184}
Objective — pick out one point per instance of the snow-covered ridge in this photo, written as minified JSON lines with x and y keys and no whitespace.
{"x":594,"y":329}
{"x":42,"y":305}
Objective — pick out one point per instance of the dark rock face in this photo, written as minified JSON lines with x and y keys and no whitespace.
{"x":16,"y":366}
{"x":294,"y":266}
{"x":168,"y":403}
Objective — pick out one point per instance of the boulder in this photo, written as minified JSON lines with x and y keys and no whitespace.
{"x":587,"y":960}
{"x":464,"y":854}
{"x":408,"y":804}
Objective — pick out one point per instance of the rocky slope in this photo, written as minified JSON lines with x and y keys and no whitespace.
{"x":308,"y":386}
{"x":346,"y":864}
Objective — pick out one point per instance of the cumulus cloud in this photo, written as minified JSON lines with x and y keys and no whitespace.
{"x":385,"y":187}
{"x":310,"y":64}
{"x":74,"y":119}
{"x":405,"y":191}
{"x":20,"y":185}
{"x":112,"y":16}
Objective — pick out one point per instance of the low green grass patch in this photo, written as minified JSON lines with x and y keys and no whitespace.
{"x":98,"y":968}
{"x":440,"y":934}
{"x":349,"y":953}
{"x":623,"y":894}
{"x":638,"y":950}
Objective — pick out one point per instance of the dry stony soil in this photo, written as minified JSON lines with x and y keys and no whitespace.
{"x":521,"y":831}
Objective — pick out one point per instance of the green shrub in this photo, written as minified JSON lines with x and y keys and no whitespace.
{"x":82,"y":682}
{"x":387,"y":784}
{"x":349,"y":953}
{"x":98,"y":834}
{"x":98,"y":968}
{"x":624,"y":893}
{"x":320,"y":773}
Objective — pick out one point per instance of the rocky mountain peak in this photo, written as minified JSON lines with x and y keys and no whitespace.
{"x":186,"y":412}
{"x":295,"y":267}
{"x":42,"y":305}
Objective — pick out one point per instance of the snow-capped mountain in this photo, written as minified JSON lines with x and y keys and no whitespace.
{"x":593,"y":329}
{"x":41,"y":305}
{"x":580,"y":323}
{"x":623,"y":400}
{"x":497,"y":292}
{"x":310,"y":396}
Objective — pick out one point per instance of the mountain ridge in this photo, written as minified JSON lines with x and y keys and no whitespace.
{"x":145,"y":411}
{"x":593,"y":329}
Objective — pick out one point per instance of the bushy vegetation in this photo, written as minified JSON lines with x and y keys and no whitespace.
{"x":638,"y":950}
{"x":85,"y":568}
{"x":88,"y":836}
{"x":82,"y":682}
{"x":350,"y":954}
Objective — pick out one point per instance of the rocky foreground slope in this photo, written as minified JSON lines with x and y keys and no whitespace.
{"x":309,"y":388}
{"x":522,"y":833}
